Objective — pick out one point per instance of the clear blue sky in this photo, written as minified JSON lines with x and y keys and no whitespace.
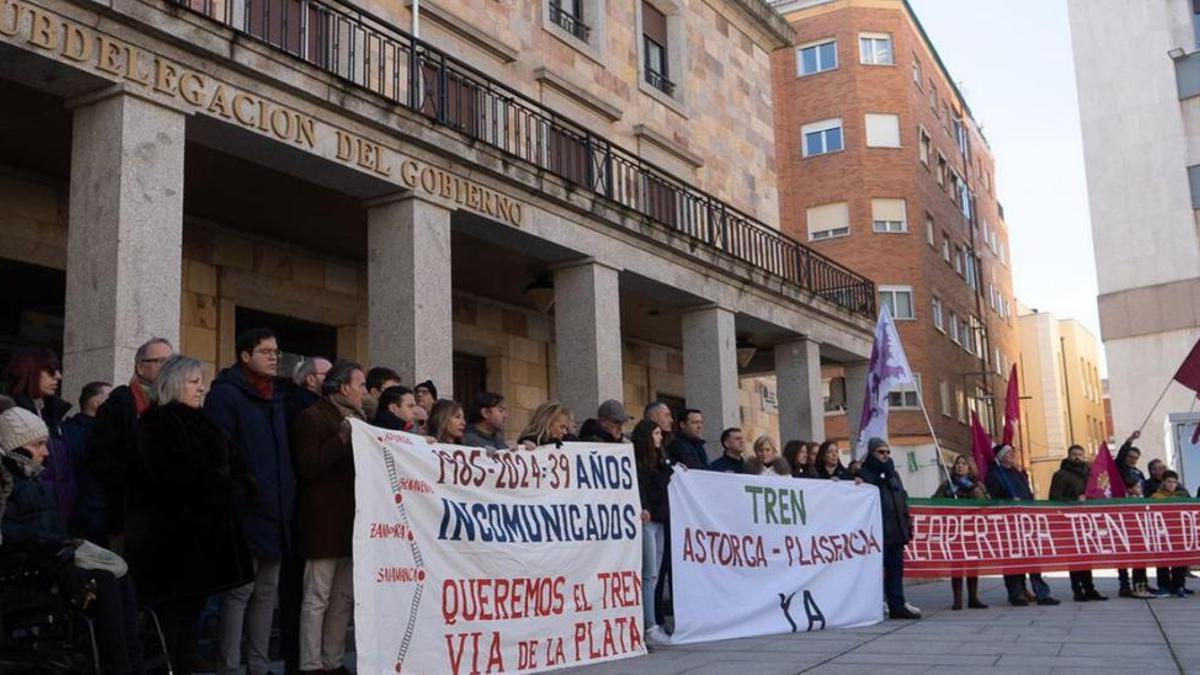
{"x":1012,"y":61}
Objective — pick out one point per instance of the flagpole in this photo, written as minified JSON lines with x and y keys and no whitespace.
{"x":1155,"y":406}
{"x":936,"y":445}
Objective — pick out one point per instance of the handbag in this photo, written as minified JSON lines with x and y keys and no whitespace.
{"x":89,"y":556}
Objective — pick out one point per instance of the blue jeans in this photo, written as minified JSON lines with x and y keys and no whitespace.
{"x":653,"y":538}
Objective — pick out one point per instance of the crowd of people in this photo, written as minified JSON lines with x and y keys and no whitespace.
{"x":167,"y":491}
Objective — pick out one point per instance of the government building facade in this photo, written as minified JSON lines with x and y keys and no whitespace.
{"x":557,"y":199}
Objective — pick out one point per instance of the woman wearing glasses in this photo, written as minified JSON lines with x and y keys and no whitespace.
{"x":33,"y":376}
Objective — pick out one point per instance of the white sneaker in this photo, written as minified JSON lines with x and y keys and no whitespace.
{"x":914,"y":609}
{"x":656,"y":636}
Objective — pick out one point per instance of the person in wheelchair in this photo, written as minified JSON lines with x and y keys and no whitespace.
{"x":32,"y":525}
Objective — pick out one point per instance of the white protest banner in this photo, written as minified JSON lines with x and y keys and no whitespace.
{"x":756,"y":555}
{"x":466,"y":562}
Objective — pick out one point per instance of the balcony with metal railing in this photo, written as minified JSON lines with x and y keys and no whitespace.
{"x":367,"y":51}
{"x":570,"y":21}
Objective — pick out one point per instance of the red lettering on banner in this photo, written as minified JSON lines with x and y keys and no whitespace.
{"x":605,"y":638}
{"x":469,"y":600}
{"x":1014,"y":538}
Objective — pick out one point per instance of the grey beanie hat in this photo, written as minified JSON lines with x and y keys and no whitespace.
{"x":875,"y":443}
{"x":19,"y":427}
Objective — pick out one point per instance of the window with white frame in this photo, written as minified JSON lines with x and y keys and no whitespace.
{"x":962,"y":404}
{"x":883,"y":130}
{"x":959,"y":260}
{"x":929,"y":230}
{"x":816,"y":57}
{"x":906,"y":395}
{"x":888,"y":215}
{"x":828,"y":221}
{"x":946,"y":248}
{"x":942,"y":168}
{"x":999,"y":366}
{"x":924,"y":145}
{"x":955,"y":335}
{"x":968,"y":336}
{"x":944,"y":391}
{"x":899,"y":301}
{"x":916,"y":68}
{"x":875,"y":49}
{"x":938,"y":321}
{"x":933,"y":96}
{"x":822,"y":137}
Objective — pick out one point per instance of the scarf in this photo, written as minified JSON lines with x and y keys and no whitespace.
{"x":263,"y":384}
{"x":346,"y":407}
{"x":141,"y":395}
{"x":25,"y":464}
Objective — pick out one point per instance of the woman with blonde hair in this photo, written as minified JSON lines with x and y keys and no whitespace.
{"x":767,"y":460}
{"x":549,"y":425}
{"x":446,"y":422}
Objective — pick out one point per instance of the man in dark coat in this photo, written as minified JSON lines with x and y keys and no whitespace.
{"x":324,"y":460}
{"x":879,"y":470}
{"x":248,"y":408}
{"x":1069,"y":484}
{"x":88,"y":519}
{"x":687,"y":448}
{"x":111,"y":456}
{"x":733,"y":443}
{"x":1007,"y":482}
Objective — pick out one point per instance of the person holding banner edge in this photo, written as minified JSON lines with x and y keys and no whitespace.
{"x":654,"y":471}
{"x":879,"y":470}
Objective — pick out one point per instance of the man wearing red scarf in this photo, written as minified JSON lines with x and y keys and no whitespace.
{"x":249,"y":409}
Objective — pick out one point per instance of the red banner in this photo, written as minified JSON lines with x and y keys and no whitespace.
{"x":957,"y":538}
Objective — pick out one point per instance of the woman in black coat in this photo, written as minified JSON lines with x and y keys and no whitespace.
{"x":828,"y":463}
{"x":654,"y":471}
{"x":879,"y":470}
{"x":183,"y":538}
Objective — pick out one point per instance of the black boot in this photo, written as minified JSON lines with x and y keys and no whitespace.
{"x":973,"y":600}
{"x":1093,"y":594}
{"x":956,"y":588}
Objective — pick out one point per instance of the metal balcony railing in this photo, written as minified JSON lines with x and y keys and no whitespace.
{"x":369,"y":52}
{"x":569,"y":21}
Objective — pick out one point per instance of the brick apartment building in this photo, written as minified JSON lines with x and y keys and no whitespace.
{"x":883,"y":168}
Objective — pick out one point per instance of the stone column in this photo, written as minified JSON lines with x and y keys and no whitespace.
{"x":125,"y":235}
{"x":798,"y":381}
{"x":409,"y":320}
{"x":710,"y":377}
{"x":856,"y":390}
{"x":587,"y":336}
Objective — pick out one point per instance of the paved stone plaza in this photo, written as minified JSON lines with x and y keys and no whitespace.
{"x":1118,"y":636}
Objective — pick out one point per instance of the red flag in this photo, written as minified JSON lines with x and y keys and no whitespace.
{"x":981,"y":448}
{"x":1012,"y":407}
{"x":1105,"y":480}
{"x":1189,"y":372}
{"x":1189,"y":376}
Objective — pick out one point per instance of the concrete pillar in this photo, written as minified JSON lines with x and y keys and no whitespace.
{"x":587,"y":336}
{"x":409,"y":320}
{"x":856,"y":391}
{"x":710,"y":378}
{"x":798,"y":383}
{"x":125,"y":235}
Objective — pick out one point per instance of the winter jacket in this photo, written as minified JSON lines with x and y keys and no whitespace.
{"x":688,"y":452}
{"x":111,"y":449}
{"x":88,"y":519}
{"x":385,"y":419}
{"x":727,"y":464}
{"x":183,"y":537}
{"x":474,"y":438}
{"x":295,"y":401}
{"x":893,"y":499}
{"x":1070,"y":481}
{"x":31,"y":521}
{"x":652,"y":488}
{"x":257,"y":427}
{"x":59,"y":473}
{"x":1131,"y":474}
{"x":1008,"y":484}
{"x":592,"y":432}
{"x":325,"y":471}
{"x":1179,"y":493}
{"x":839,"y":472}
{"x":964,"y":489}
